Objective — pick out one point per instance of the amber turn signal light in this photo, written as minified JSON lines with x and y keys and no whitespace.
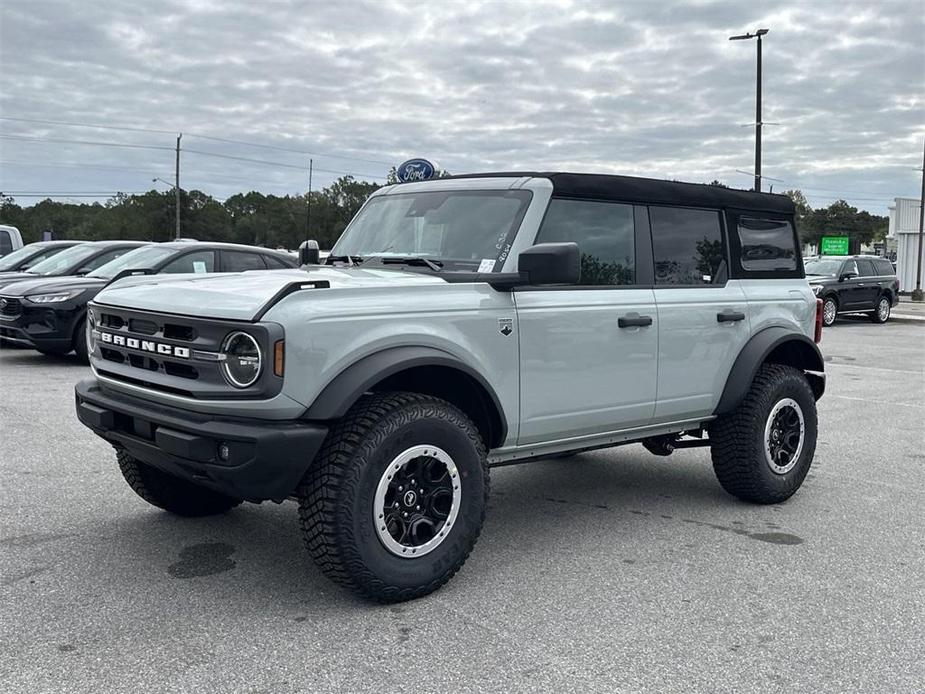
{"x":279,"y":357}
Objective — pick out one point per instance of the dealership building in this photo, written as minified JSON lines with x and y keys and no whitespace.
{"x":904,"y":228}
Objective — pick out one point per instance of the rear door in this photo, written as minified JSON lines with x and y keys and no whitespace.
{"x":702,"y":313}
{"x":588,"y":352}
{"x":868,"y":286}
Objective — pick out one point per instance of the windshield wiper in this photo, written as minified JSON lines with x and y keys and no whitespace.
{"x":434,"y":265}
{"x":349,"y":259}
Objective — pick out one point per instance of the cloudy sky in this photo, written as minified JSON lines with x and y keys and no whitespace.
{"x":649,"y":88}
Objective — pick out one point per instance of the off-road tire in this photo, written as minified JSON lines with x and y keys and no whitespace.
{"x":737,"y":439}
{"x":834,"y":314}
{"x":876,"y":316}
{"x":336,"y":496}
{"x":171,"y":493}
{"x":81,"y":348}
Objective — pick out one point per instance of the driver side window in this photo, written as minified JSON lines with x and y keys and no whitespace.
{"x":849,"y":267}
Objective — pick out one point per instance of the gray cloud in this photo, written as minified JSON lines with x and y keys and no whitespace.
{"x":645,"y":88}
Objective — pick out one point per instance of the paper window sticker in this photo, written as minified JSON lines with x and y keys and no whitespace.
{"x":199,"y":266}
{"x":487,"y":265}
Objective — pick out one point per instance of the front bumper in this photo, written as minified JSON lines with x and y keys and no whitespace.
{"x":40,"y":326}
{"x":265,"y":459}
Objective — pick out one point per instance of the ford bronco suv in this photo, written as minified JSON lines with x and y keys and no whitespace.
{"x":462,"y":323}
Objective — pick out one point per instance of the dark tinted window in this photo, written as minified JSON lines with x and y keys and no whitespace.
{"x":604,"y":234}
{"x":198,"y":262}
{"x":275,"y":263}
{"x":6,"y":243}
{"x":767,"y":244}
{"x":850,"y":266}
{"x":866,"y":268}
{"x":688,"y":246}
{"x":884,"y":267}
{"x":236,"y":261}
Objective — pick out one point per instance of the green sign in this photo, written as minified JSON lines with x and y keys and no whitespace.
{"x":834,"y":245}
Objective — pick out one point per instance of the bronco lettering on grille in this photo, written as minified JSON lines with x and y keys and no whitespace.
{"x":145,"y":345}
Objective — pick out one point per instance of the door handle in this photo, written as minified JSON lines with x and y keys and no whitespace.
{"x":728,"y":316}
{"x":634,"y":320}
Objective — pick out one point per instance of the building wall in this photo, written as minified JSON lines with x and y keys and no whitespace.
{"x":904,"y":224}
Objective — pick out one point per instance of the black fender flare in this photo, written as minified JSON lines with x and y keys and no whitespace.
{"x":803,"y":354}
{"x":340,"y":394}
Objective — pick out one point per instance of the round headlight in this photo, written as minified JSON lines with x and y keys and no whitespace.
{"x":243,"y":360}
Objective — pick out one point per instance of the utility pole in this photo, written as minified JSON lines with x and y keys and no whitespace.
{"x":758,"y":34}
{"x":177,"y":184}
{"x":917,"y":294}
{"x":308,"y":220}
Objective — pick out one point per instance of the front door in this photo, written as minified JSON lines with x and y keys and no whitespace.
{"x":588,"y":353}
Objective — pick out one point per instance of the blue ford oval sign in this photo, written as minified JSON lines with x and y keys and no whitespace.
{"x":415,"y":170}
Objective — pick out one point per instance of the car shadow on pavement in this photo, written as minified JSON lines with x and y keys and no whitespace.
{"x":256,"y":552}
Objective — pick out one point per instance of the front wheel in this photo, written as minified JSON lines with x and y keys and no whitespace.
{"x":81,"y":343}
{"x":396,"y":499}
{"x":882,"y":313}
{"x":829,"y":311}
{"x":763,"y":449}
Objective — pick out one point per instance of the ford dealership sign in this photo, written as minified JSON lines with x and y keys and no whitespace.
{"x":416,"y":170}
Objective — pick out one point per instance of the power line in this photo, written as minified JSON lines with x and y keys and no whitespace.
{"x":197,"y":135}
{"x":82,"y":142}
{"x":277,"y":163}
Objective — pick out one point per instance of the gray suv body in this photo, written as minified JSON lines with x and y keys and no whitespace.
{"x":457,"y":324}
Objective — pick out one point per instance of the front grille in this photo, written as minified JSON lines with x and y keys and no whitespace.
{"x":10,"y":306}
{"x":172,"y":354}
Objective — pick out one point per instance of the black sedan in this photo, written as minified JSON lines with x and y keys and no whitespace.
{"x":76,"y":260}
{"x":24,"y":258}
{"x":49,"y":314}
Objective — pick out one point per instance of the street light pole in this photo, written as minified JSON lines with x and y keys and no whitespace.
{"x":758,"y":34}
{"x":917,"y":294}
{"x":177,"y":184}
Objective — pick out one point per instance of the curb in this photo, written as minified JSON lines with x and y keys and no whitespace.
{"x":907,"y":317}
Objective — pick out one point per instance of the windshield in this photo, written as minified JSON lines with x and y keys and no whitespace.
{"x":12,"y":260}
{"x":60,"y":263}
{"x":139,"y":259}
{"x":822,"y":266}
{"x":464,"y":230}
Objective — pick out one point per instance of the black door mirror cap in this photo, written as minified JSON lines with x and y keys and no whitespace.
{"x":309,"y":253}
{"x":551,"y":263}
{"x":847,"y":276}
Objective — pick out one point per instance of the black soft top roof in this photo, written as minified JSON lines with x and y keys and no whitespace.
{"x":651,"y":190}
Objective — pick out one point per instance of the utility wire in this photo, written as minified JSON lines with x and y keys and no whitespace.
{"x":83,"y":142}
{"x":276,"y":163}
{"x":197,"y":135}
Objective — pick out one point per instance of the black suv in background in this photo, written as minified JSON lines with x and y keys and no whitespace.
{"x":76,"y":260}
{"x":853,"y":284}
{"x":49,"y":313}
{"x":24,"y":258}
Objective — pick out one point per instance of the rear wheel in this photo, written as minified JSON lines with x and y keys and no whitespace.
{"x":395,"y":501}
{"x":882,"y":312}
{"x":171,"y":493}
{"x":763,"y":449}
{"x":829,"y":310}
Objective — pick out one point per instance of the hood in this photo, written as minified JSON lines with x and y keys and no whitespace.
{"x":49,"y":285}
{"x":241,"y":296}
{"x":10,"y":277}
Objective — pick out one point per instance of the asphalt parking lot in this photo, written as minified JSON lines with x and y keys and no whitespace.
{"x":611,"y":571}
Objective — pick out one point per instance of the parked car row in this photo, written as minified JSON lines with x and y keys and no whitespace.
{"x":43,"y":305}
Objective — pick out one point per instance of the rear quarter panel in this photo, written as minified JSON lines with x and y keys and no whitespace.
{"x":788,"y":303}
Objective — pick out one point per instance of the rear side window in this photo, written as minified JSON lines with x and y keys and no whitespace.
{"x":766,"y":244}
{"x":688,"y":246}
{"x":866,"y":268}
{"x":236,"y":261}
{"x":198,"y":262}
{"x":6,"y":243}
{"x":604,"y":232}
{"x":884,"y":267}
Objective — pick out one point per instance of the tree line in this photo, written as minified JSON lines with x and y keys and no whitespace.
{"x":285,"y":221}
{"x":250,"y":218}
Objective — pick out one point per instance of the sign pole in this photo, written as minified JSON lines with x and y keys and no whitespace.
{"x":917,"y":294}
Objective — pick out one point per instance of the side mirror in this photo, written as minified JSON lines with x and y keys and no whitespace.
{"x":309,"y":253}
{"x":847,"y":276}
{"x":551,"y":263}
